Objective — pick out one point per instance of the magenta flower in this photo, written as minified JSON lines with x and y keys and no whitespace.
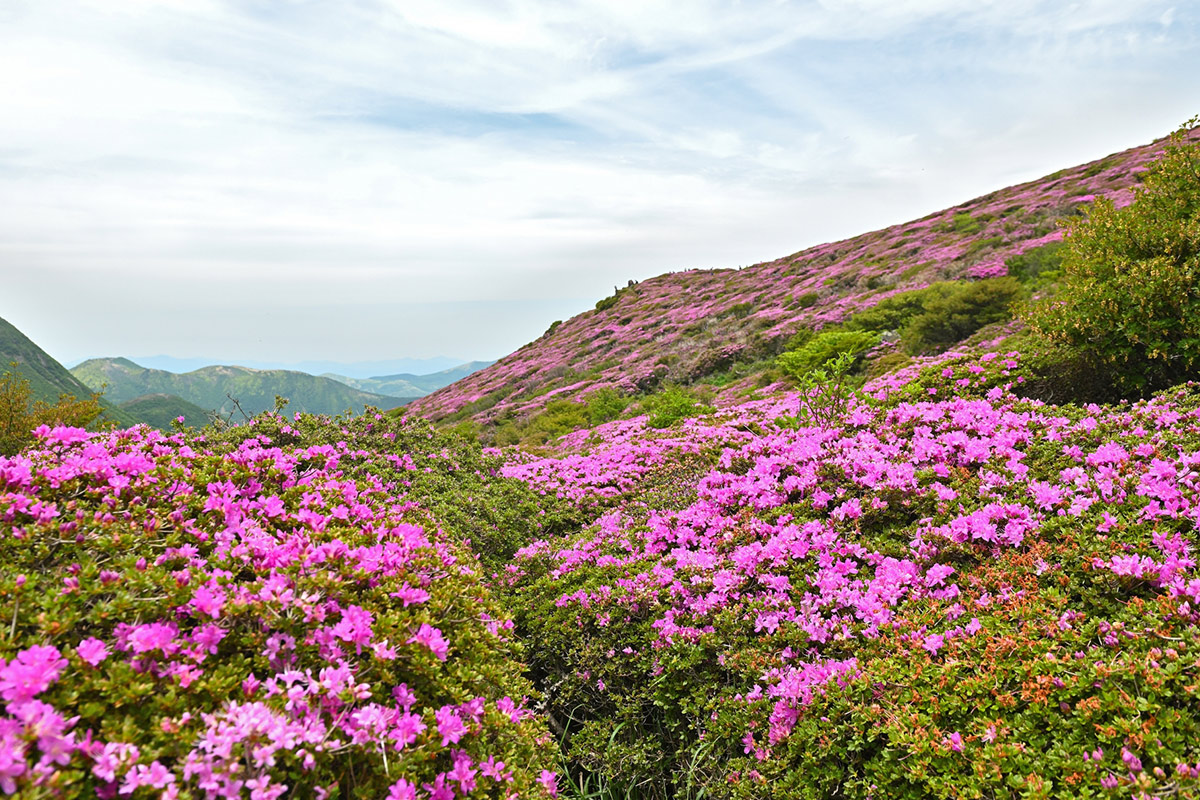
{"x":12,"y":754}
{"x":30,"y":673}
{"x":491,"y":768}
{"x":462,"y":773}
{"x":402,"y":790}
{"x":432,"y":638}
{"x":550,"y":781}
{"x":355,"y":627}
{"x":150,"y":636}
{"x":406,"y":729}
{"x":450,"y":725}
{"x":92,"y":650}
{"x":208,"y":599}
{"x":438,"y":790}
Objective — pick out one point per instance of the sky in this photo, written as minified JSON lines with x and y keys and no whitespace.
{"x":349,"y":180}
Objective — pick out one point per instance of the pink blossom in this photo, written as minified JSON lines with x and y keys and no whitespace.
{"x":208,"y":599}
{"x":550,"y":781}
{"x":402,"y":790}
{"x":450,"y":725}
{"x":432,"y":638}
{"x":30,"y":673}
{"x":92,"y":650}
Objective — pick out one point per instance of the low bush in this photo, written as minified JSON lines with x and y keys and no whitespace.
{"x":823,"y":348}
{"x":604,"y":405}
{"x":949,"y":317}
{"x":671,"y":405}
{"x":20,"y":415}
{"x":557,"y":418}
{"x":257,"y":617}
{"x":942,"y":314}
{"x":1037,"y":267}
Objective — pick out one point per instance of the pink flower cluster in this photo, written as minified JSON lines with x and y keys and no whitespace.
{"x":269,"y":545}
{"x":731,"y":555}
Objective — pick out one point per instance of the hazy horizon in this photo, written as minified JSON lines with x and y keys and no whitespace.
{"x":357,"y":369}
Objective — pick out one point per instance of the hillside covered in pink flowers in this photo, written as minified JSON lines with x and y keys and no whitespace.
{"x":685,"y":327}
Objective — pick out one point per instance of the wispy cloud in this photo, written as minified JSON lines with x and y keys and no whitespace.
{"x":255,"y":165}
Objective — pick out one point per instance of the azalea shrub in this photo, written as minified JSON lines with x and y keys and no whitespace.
{"x":950,"y":592}
{"x":259,"y":614}
{"x":454,"y":480}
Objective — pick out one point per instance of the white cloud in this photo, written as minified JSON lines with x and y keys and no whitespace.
{"x":215,"y":157}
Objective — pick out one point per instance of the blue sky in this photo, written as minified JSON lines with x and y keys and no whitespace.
{"x":287,"y":181}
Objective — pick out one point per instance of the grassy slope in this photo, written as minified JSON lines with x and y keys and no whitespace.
{"x":211,"y":387}
{"x":160,"y":410}
{"x":47,"y":378}
{"x":682,"y":327}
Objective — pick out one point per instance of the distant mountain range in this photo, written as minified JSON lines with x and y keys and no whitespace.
{"x":354,"y":369}
{"x":217,"y":387}
{"x":134,"y":393}
{"x":409,"y":385}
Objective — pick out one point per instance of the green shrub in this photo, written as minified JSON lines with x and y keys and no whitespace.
{"x":888,"y":363}
{"x":954,"y":314}
{"x":1129,"y":299}
{"x":893,"y":313}
{"x":740,"y":310}
{"x":19,"y":417}
{"x":961,"y":222}
{"x":941,"y":314}
{"x":559,"y":417}
{"x":808,"y":299}
{"x":1037,"y":266}
{"x":826,"y":393}
{"x":604,"y":405}
{"x":672,"y":404}
{"x":800,"y":338}
{"x":823,"y":348}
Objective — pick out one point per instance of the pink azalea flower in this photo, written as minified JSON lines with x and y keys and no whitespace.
{"x":550,"y":781}
{"x":30,"y":673}
{"x":432,"y":638}
{"x":92,"y":650}
{"x":402,"y":790}
{"x":450,"y":725}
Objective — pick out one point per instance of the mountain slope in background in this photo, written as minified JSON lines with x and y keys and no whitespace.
{"x":161,"y":410}
{"x":212,"y":387}
{"x":684,"y":327}
{"x":407,"y":384}
{"x":47,"y":378}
